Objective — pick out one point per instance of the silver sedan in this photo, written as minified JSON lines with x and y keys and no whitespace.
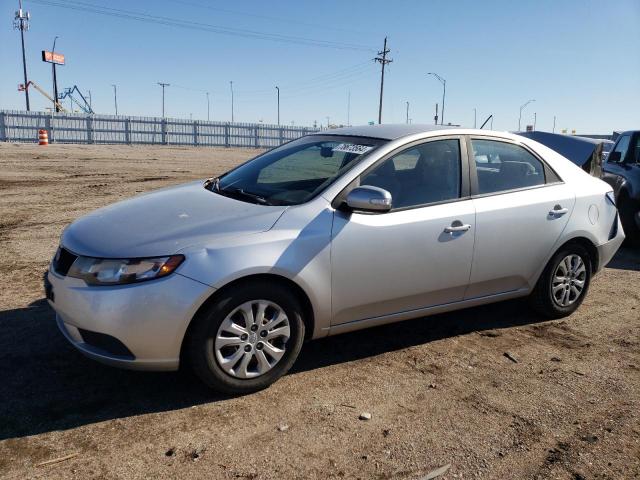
{"x":333,"y":232}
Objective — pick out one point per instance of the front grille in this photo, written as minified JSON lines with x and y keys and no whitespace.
{"x":63,"y":260}
{"x":108,"y":344}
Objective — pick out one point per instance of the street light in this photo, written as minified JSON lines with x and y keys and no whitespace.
{"x":278,"y":89}
{"x":55,"y":81}
{"x":207,"y":106}
{"x":474,"y":118}
{"x":231,"y":84}
{"x":115,"y":97}
{"x":163,"y":85}
{"x":444,"y":92}
{"x":521,"y":108}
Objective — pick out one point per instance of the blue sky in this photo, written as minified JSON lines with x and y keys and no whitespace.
{"x":580,"y":60}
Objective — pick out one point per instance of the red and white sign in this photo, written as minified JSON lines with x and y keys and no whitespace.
{"x":52,"y":57}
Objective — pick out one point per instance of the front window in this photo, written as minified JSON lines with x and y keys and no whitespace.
{"x":622,"y":146}
{"x":423,"y":174}
{"x":296,"y":172}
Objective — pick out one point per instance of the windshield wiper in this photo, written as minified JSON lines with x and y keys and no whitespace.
{"x":212,"y":184}
{"x":239,"y":193}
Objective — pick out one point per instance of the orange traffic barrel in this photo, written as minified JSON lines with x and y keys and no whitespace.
{"x":43,"y":137}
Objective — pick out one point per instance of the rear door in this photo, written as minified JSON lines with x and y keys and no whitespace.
{"x":521,"y":206}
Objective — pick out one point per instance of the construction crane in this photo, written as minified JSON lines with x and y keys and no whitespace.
{"x":84,"y":105}
{"x":22,"y":87}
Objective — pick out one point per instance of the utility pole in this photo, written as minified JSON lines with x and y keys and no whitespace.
{"x":231,"y":83}
{"x":327,"y":123}
{"x":554,"y":124}
{"x":55,"y":79}
{"x":278,"y":89}
{"x":90,"y":102}
{"x":207,"y":106}
{"x":163,"y":85}
{"x":474,"y":117}
{"x":382,"y":58}
{"x":436,"y":116}
{"x":349,"y":108}
{"x":115,"y":97}
{"x":521,"y":108}
{"x":21,"y":22}
{"x":444,"y":93}
{"x":407,"y":113}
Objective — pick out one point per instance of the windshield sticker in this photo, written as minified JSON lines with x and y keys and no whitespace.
{"x":352,"y":148}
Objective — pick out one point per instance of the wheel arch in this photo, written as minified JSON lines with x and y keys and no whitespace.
{"x":301,"y":295}
{"x":588,"y":245}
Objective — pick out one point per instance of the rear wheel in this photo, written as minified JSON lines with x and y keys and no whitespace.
{"x":247,"y":339}
{"x":564,"y":282}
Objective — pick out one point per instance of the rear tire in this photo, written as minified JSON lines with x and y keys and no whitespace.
{"x":247,"y":338}
{"x":563,"y":284}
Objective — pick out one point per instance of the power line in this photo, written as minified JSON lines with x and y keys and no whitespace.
{"x":189,"y":24}
{"x":272,"y":18}
{"x":382,"y":58}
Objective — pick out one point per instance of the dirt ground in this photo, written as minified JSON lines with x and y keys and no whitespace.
{"x":440,"y":390}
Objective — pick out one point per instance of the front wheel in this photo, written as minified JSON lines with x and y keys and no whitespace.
{"x":563,"y":284}
{"x":247,"y":338}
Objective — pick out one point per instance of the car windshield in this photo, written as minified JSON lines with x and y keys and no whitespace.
{"x":296,"y":172}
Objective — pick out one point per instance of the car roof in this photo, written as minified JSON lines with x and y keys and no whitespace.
{"x":384,"y":131}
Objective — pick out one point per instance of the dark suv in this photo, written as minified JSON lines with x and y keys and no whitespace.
{"x":621,"y":170}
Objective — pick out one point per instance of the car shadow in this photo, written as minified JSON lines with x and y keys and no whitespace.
{"x":47,"y":385}
{"x":627,"y":258}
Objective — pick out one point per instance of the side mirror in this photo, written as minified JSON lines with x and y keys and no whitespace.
{"x":614,"y":157}
{"x":369,"y":199}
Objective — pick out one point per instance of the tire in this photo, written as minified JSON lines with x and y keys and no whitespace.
{"x":628,"y":209}
{"x":543,"y":300}
{"x":218,"y":329}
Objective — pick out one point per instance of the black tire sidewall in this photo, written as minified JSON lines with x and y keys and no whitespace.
{"x":548,"y":280}
{"x":208,"y":321}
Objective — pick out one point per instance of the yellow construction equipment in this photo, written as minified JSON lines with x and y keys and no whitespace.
{"x":31,"y":83}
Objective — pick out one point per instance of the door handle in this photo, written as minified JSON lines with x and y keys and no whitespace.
{"x":457,"y":227}
{"x":558,"y":211}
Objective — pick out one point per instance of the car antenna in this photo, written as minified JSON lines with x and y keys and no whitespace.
{"x":485,"y":122}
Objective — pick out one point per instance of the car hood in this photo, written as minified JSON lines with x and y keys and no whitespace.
{"x":165,"y":221}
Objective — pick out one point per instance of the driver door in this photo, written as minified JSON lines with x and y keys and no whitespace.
{"x":404,"y":260}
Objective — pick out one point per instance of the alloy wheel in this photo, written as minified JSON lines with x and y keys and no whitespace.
{"x":568,"y":280}
{"x":251,"y":339}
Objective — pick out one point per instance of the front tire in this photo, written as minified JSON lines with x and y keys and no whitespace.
{"x":247,"y":338}
{"x":564,"y":283}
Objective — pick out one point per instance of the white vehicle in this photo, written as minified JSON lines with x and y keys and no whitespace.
{"x":330,"y":233}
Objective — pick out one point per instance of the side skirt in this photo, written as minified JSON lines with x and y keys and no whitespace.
{"x":424,"y":312}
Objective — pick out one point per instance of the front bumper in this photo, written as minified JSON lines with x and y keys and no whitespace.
{"x":147,"y":320}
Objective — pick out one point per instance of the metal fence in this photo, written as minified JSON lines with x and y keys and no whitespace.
{"x":20,"y":126}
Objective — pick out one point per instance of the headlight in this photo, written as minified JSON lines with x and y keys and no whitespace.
{"x":109,"y":271}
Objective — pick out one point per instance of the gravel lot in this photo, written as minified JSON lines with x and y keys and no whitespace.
{"x":440,"y":390}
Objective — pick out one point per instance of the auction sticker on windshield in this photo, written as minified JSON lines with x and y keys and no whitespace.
{"x":352,"y":148}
